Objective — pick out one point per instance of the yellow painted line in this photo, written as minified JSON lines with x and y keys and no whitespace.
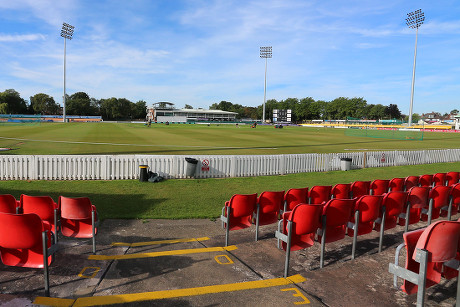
{"x":53,"y":301}
{"x":158,"y":295}
{"x":164,"y":253}
{"x":160,"y":242}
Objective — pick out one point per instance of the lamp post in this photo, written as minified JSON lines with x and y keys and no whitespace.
{"x":66,"y":33}
{"x":265,"y":53}
{"x":414,"y":20}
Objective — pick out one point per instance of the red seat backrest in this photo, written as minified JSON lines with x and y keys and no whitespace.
{"x":394,"y":203}
{"x":441,"y":239}
{"x":440,"y":195}
{"x":20,"y":231}
{"x":360,"y":188}
{"x":426,"y":180}
{"x":455,"y":193}
{"x":43,"y":206}
{"x":411,"y":181}
{"x":319,"y":194}
{"x":452,"y":178}
{"x":305,"y":218}
{"x":418,"y":197}
{"x":369,"y":207}
{"x":338,"y":211}
{"x":243,"y":204}
{"x":7,"y":203}
{"x":78,"y":208}
{"x":294,"y":197}
{"x":341,"y":191}
{"x":439,"y":179}
{"x":397,"y":184}
{"x":380,"y":186}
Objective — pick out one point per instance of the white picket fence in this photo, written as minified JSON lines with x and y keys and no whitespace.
{"x":114,"y":167}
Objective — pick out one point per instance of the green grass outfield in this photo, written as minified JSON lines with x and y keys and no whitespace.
{"x":159,"y":139}
{"x":196,"y":198}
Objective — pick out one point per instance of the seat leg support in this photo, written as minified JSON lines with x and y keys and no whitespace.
{"x":323,"y":241}
{"x":93,"y":226}
{"x":45,"y":263}
{"x":288,"y":249}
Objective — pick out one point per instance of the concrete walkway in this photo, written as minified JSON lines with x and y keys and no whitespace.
{"x":185,"y":263}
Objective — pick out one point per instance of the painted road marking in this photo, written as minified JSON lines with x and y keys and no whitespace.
{"x":158,"y":295}
{"x":228,"y":260}
{"x":160,"y":242}
{"x":298,"y":294}
{"x":94,"y":269}
{"x":164,"y":253}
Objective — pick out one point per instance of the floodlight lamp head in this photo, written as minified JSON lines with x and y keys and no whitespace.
{"x":67,"y":30}
{"x":415,"y":19}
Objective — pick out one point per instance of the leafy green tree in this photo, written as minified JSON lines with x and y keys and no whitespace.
{"x":187,"y":106}
{"x":15,"y":104}
{"x":393,"y":112}
{"x":44,"y":104}
{"x":3,"y":108}
{"x":80,"y":104}
{"x":138,"y":110}
{"x":454,"y":112}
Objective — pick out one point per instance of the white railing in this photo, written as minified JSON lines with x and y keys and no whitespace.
{"x":113,"y":167}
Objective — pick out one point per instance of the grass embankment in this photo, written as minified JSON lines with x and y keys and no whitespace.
{"x":196,"y":198}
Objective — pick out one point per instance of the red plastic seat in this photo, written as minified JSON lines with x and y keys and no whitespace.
{"x":237,"y":213}
{"x":298,"y":229}
{"x":25,"y":241}
{"x":268,"y":208}
{"x":427,"y":254}
{"x":341,"y":191}
{"x":426,"y":181}
{"x":380,"y":186}
{"x":366,"y":211}
{"x":417,"y":198}
{"x":452,"y":208}
{"x":319,"y":194}
{"x":335,"y":216}
{"x":294,"y":197}
{"x":396,"y":184}
{"x":43,"y":206}
{"x":439,"y":179}
{"x":393,"y":204}
{"x":452,"y":178}
{"x":360,"y":188}
{"x":411,"y":181}
{"x":78,"y":218}
{"x":439,"y":197}
{"x":8,"y":204}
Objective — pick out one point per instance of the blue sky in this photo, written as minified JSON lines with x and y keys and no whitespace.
{"x":199,"y":52}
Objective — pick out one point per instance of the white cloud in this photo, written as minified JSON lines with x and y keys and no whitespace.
{"x":21,"y":37}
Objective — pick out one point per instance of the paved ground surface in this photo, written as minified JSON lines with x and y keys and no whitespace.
{"x":184,"y":263}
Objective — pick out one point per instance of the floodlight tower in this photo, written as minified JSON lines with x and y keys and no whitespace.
{"x":414,"y":20}
{"x":66,"y":33}
{"x":265,"y":53}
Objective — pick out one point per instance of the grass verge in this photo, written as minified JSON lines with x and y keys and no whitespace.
{"x":196,"y":198}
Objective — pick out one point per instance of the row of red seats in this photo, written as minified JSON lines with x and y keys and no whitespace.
{"x":28,"y":226}
{"x":373,"y":204}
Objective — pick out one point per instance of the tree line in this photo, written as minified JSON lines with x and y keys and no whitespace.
{"x":78,"y":103}
{"x":306,"y":109}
